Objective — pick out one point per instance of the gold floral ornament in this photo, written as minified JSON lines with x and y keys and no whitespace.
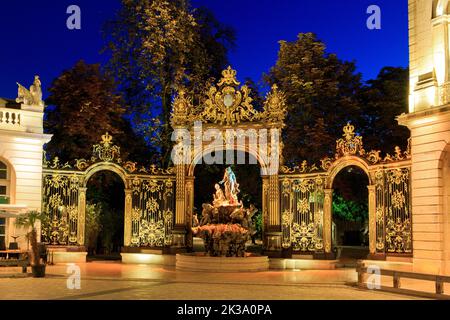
{"x":303,"y":206}
{"x":303,"y":168}
{"x":226,"y":104}
{"x":398,"y":199}
{"x":152,"y":205}
{"x":303,"y":237}
{"x":151,"y":233}
{"x":275,"y":106}
{"x":350,"y":144}
{"x":286,"y":218}
{"x":181,"y":107}
{"x":106,"y":151}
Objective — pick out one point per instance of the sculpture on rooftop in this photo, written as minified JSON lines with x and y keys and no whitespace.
{"x":32,"y":97}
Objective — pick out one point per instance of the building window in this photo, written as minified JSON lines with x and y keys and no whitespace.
{"x":3,"y":171}
{"x":4,"y":182}
{"x":2,"y":233}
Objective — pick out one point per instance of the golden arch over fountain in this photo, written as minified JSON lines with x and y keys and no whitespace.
{"x":227,"y":109}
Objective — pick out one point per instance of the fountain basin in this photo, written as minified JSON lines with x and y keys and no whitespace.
{"x":199,"y":262}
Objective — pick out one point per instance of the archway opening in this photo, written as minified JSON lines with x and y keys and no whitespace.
{"x":248,"y":175}
{"x":350,"y":226}
{"x":105,"y":205}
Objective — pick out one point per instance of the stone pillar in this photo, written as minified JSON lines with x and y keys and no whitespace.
{"x":81,"y":226}
{"x":372,"y":220}
{"x":327,"y":215}
{"x":430,"y":132}
{"x":127,"y":220}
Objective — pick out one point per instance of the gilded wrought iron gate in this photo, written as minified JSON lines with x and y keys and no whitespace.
{"x":152,"y":214}
{"x":306,"y":215}
{"x":302,"y":202}
{"x":149,"y":198}
{"x":393,"y":211}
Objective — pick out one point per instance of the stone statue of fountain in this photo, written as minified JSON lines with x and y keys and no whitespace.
{"x":226,"y":225}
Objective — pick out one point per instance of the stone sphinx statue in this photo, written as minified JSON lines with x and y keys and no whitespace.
{"x":32,"y":97}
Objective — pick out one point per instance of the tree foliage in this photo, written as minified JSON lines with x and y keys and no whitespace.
{"x":349,"y":210}
{"x":84,"y":104}
{"x":382,"y":100}
{"x":157,"y":46}
{"x":93,"y":225}
{"x":321,"y":96}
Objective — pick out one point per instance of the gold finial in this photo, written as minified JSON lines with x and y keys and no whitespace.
{"x":228,"y":77}
{"x":349,"y":131}
{"x":106,"y":139}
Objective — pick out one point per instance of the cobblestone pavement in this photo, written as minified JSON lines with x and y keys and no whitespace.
{"x":106,"y":281}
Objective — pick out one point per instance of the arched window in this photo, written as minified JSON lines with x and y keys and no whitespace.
{"x":4,"y":182}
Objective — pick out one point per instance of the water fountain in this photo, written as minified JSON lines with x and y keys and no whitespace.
{"x":225,"y":227}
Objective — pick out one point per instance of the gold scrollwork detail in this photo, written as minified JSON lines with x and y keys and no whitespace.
{"x":303,"y":236}
{"x":227,"y":104}
{"x":350,"y":143}
{"x":105,"y":150}
{"x":151,"y":233}
{"x":398,"y":236}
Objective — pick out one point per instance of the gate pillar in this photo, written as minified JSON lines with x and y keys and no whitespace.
{"x":81,"y":227}
{"x":273,"y":233}
{"x":327,"y":215}
{"x":372,"y":220}
{"x":128,"y":222}
{"x":179,"y":232}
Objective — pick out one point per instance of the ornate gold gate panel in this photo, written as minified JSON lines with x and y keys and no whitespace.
{"x":149,"y":198}
{"x":302,"y":213}
{"x":393,"y":211}
{"x":60,"y":202}
{"x":152,"y":212}
{"x":306,"y":215}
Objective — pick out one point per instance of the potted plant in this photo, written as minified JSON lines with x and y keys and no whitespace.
{"x":28,"y":220}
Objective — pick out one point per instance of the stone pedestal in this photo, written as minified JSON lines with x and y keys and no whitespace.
{"x":202,"y":263}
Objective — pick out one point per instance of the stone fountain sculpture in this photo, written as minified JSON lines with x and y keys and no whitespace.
{"x":226,"y":225}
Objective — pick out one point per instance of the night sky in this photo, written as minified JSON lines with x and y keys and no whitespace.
{"x":34,"y":38}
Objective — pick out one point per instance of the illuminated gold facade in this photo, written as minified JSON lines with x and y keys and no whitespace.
{"x":149,"y":198}
{"x":429,"y":122}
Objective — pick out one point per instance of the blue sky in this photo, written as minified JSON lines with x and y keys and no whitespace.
{"x":34,"y":38}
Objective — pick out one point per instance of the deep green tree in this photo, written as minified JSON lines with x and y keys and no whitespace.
{"x":83,"y":105}
{"x":157,"y":46}
{"x":382,"y":100}
{"x":255,"y":94}
{"x":321,"y":97}
{"x":93,"y":226}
